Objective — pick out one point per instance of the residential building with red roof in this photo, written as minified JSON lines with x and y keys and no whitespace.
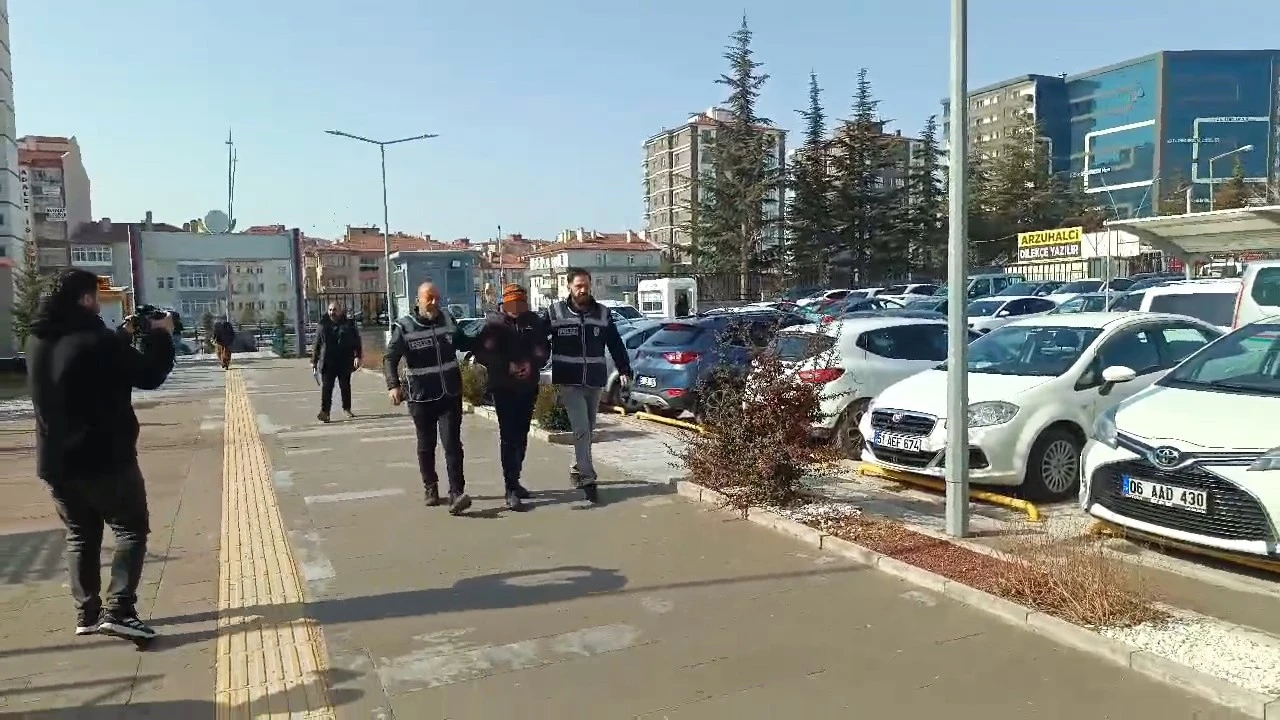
{"x":613,"y":259}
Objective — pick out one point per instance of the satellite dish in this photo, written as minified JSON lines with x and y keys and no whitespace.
{"x":217,"y":222}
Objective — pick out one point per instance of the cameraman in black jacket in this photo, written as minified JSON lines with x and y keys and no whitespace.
{"x":82,"y":376}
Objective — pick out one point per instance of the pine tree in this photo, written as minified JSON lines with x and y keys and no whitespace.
{"x":1173,"y":201}
{"x":729,"y":216}
{"x":925,"y":213}
{"x":872,"y":245}
{"x":29,"y":287}
{"x":1234,"y":193}
{"x":809,"y":220}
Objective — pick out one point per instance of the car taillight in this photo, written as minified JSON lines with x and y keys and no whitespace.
{"x":820,"y":376}
{"x":827,"y":319}
{"x":681,"y":357}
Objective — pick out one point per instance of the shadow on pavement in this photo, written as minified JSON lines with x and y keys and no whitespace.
{"x":497,"y":591}
{"x":610,"y":492}
{"x":41,"y":556}
{"x":100,"y":707}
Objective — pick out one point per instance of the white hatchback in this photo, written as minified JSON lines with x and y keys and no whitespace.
{"x":853,"y":359}
{"x":1188,"y":458}
{"x":987,"y":314}
{"x":1035,"y":388}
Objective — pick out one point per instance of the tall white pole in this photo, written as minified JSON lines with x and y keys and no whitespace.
{"x":386,"y":241}
{"x":957,"y":459}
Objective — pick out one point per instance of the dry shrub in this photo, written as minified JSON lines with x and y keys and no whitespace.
{"x":1074,"y":581}
{"x":756,"y":448}
{"x":474,"y":381}
{"x":548,"y":413}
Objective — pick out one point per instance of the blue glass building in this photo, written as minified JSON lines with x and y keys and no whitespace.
{"x":1140,"y":129}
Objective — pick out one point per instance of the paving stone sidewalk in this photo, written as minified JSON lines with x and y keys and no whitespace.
{"x":644,"y":607}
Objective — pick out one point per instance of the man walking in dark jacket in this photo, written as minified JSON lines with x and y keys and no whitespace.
{"x":427,"y":339}
{"x":223,"y":336}
{"x":581,"y":331}
{"x":82,"y":377}
{"x":336,"y":354}
{"x":513,"y":348}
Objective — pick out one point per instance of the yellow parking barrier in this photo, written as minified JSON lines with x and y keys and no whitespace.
{"x":670,"y":421}
{"x":618,"y":409}
{"x":1030,"y":510}
{"x":1102,"y":527}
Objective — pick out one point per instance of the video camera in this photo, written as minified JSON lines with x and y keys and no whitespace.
{"x":139,"y":323}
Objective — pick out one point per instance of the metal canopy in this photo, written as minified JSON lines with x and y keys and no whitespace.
{"x":1219,"y":231}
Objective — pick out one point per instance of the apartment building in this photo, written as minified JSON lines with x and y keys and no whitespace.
{"x":354,"y":264}
{"x":613,"y":259}
{"x":13,"y":215}
{"x":56,"y":194}
{"x":997,"y":109}
{"x":674,"y":158}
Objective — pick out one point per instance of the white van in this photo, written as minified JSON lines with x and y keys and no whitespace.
{"x":1259,"y":292}
{"x":1212,"y":301}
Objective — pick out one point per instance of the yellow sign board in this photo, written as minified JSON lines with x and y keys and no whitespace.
{"x":1050,"y":245}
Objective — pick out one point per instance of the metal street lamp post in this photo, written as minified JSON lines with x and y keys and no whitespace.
{"x":386,"y":225}
{"x":957,"y":460}
{"x":1229,"y":153}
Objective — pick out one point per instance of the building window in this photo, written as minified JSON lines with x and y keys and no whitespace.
{"x":631,"y":281}
{"x":281,"y":270}
{"x":600,"y":260}
{"x":168,"y":283}
{"x":282,"y":305}
{"x":631,"y":259}
{"x":195,"y":281}
{"x":91,"y":255}
{"x":160,"y":283}
{"x":237,"y":269}
{"x":613,"y":280}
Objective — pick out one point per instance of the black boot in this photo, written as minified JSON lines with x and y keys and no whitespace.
{"x":521,"y":492}
{"x":458,"y":503}
{"x":590,"y":492}
{"x":432,"y":495}
{"x":514,"y":503}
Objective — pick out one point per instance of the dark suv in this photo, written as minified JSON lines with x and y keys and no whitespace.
{"x":671,"y":367}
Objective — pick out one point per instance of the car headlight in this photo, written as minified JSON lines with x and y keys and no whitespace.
{"x":1104,"y":428}
{"x":995,"y":412}
{"x":1270,"y":460}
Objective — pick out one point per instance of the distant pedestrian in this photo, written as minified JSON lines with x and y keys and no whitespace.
{"x":513,"y":347}
{"x":335,"y":355}
{"x":224,"y":334}
{"x":581,"y":331}
{"x":428,"y":340}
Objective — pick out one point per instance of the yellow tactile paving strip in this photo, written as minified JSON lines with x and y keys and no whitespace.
{"x":271,"y":659}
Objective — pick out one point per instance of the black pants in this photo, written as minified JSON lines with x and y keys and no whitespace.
{"x":514,"y":407}
{"x":327,"y":378}
{"x":443,"y":416}
{"x":86,"y":504}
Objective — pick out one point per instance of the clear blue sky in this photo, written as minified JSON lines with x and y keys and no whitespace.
{"x":541,"y":106}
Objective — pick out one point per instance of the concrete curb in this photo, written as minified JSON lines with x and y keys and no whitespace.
{"x":1253,"y":704}
{"x":547,"y":436}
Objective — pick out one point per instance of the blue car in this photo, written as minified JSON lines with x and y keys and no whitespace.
{"x":670,"y":368}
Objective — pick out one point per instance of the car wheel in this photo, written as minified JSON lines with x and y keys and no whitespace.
{"x":848,"y":439}
{"x":1053,"y":467}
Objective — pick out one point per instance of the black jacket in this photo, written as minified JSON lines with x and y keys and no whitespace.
{"x":504,"y":340}
{"x":82,"y":377}
{"x":579,"y":340}
{"x":223,"y":333}
{"x":337,"y":345}
{"x":429,"y":350}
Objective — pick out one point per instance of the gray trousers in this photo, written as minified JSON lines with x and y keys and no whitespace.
{"x":581,"y":403}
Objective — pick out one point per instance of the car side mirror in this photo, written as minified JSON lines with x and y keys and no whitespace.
{"x":1115,"y":375}
{"x":1003,"y":313}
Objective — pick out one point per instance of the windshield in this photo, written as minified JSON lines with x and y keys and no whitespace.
{"x":797,"y":346}
{"x":1080,"y":286}
{"x":895,"y":290}
{"x":625,"y":311}
{"x":1246,"y":361}
{"x":924,"y":304}
{"x":1019,"y":290}
{"x":1215,"y":308}
{"x":985,"y":308}
{"x":1029,"y":350}
{"x":1090,"y":303}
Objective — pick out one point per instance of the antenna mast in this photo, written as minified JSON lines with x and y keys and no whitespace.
{"x":231,"y":163}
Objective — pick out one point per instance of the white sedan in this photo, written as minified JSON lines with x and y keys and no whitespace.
{"x":987,"y":314}
{"x":1194,"y":458}
{"x":854,"y":359}
{"x":1035,"y":388}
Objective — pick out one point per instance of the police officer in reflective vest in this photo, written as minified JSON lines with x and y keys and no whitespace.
{"x":581,"y":331}
{"x":427,"y":339}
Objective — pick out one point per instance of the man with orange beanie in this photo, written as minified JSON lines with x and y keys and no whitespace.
{"x":513,"y":347}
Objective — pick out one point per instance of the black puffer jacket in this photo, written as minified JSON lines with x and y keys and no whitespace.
{"x":82,"y":377}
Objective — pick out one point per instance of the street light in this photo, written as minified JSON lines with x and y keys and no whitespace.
{"x":1229,"y":153}
{"x":386,"y":227}
{"x":957,"y":460}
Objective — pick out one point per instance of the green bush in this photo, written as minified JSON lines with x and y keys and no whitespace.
{"x":473,"y":384}
{"x":548,"y":412}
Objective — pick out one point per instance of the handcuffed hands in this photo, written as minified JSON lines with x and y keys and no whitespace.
{"x":520,"y":370}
